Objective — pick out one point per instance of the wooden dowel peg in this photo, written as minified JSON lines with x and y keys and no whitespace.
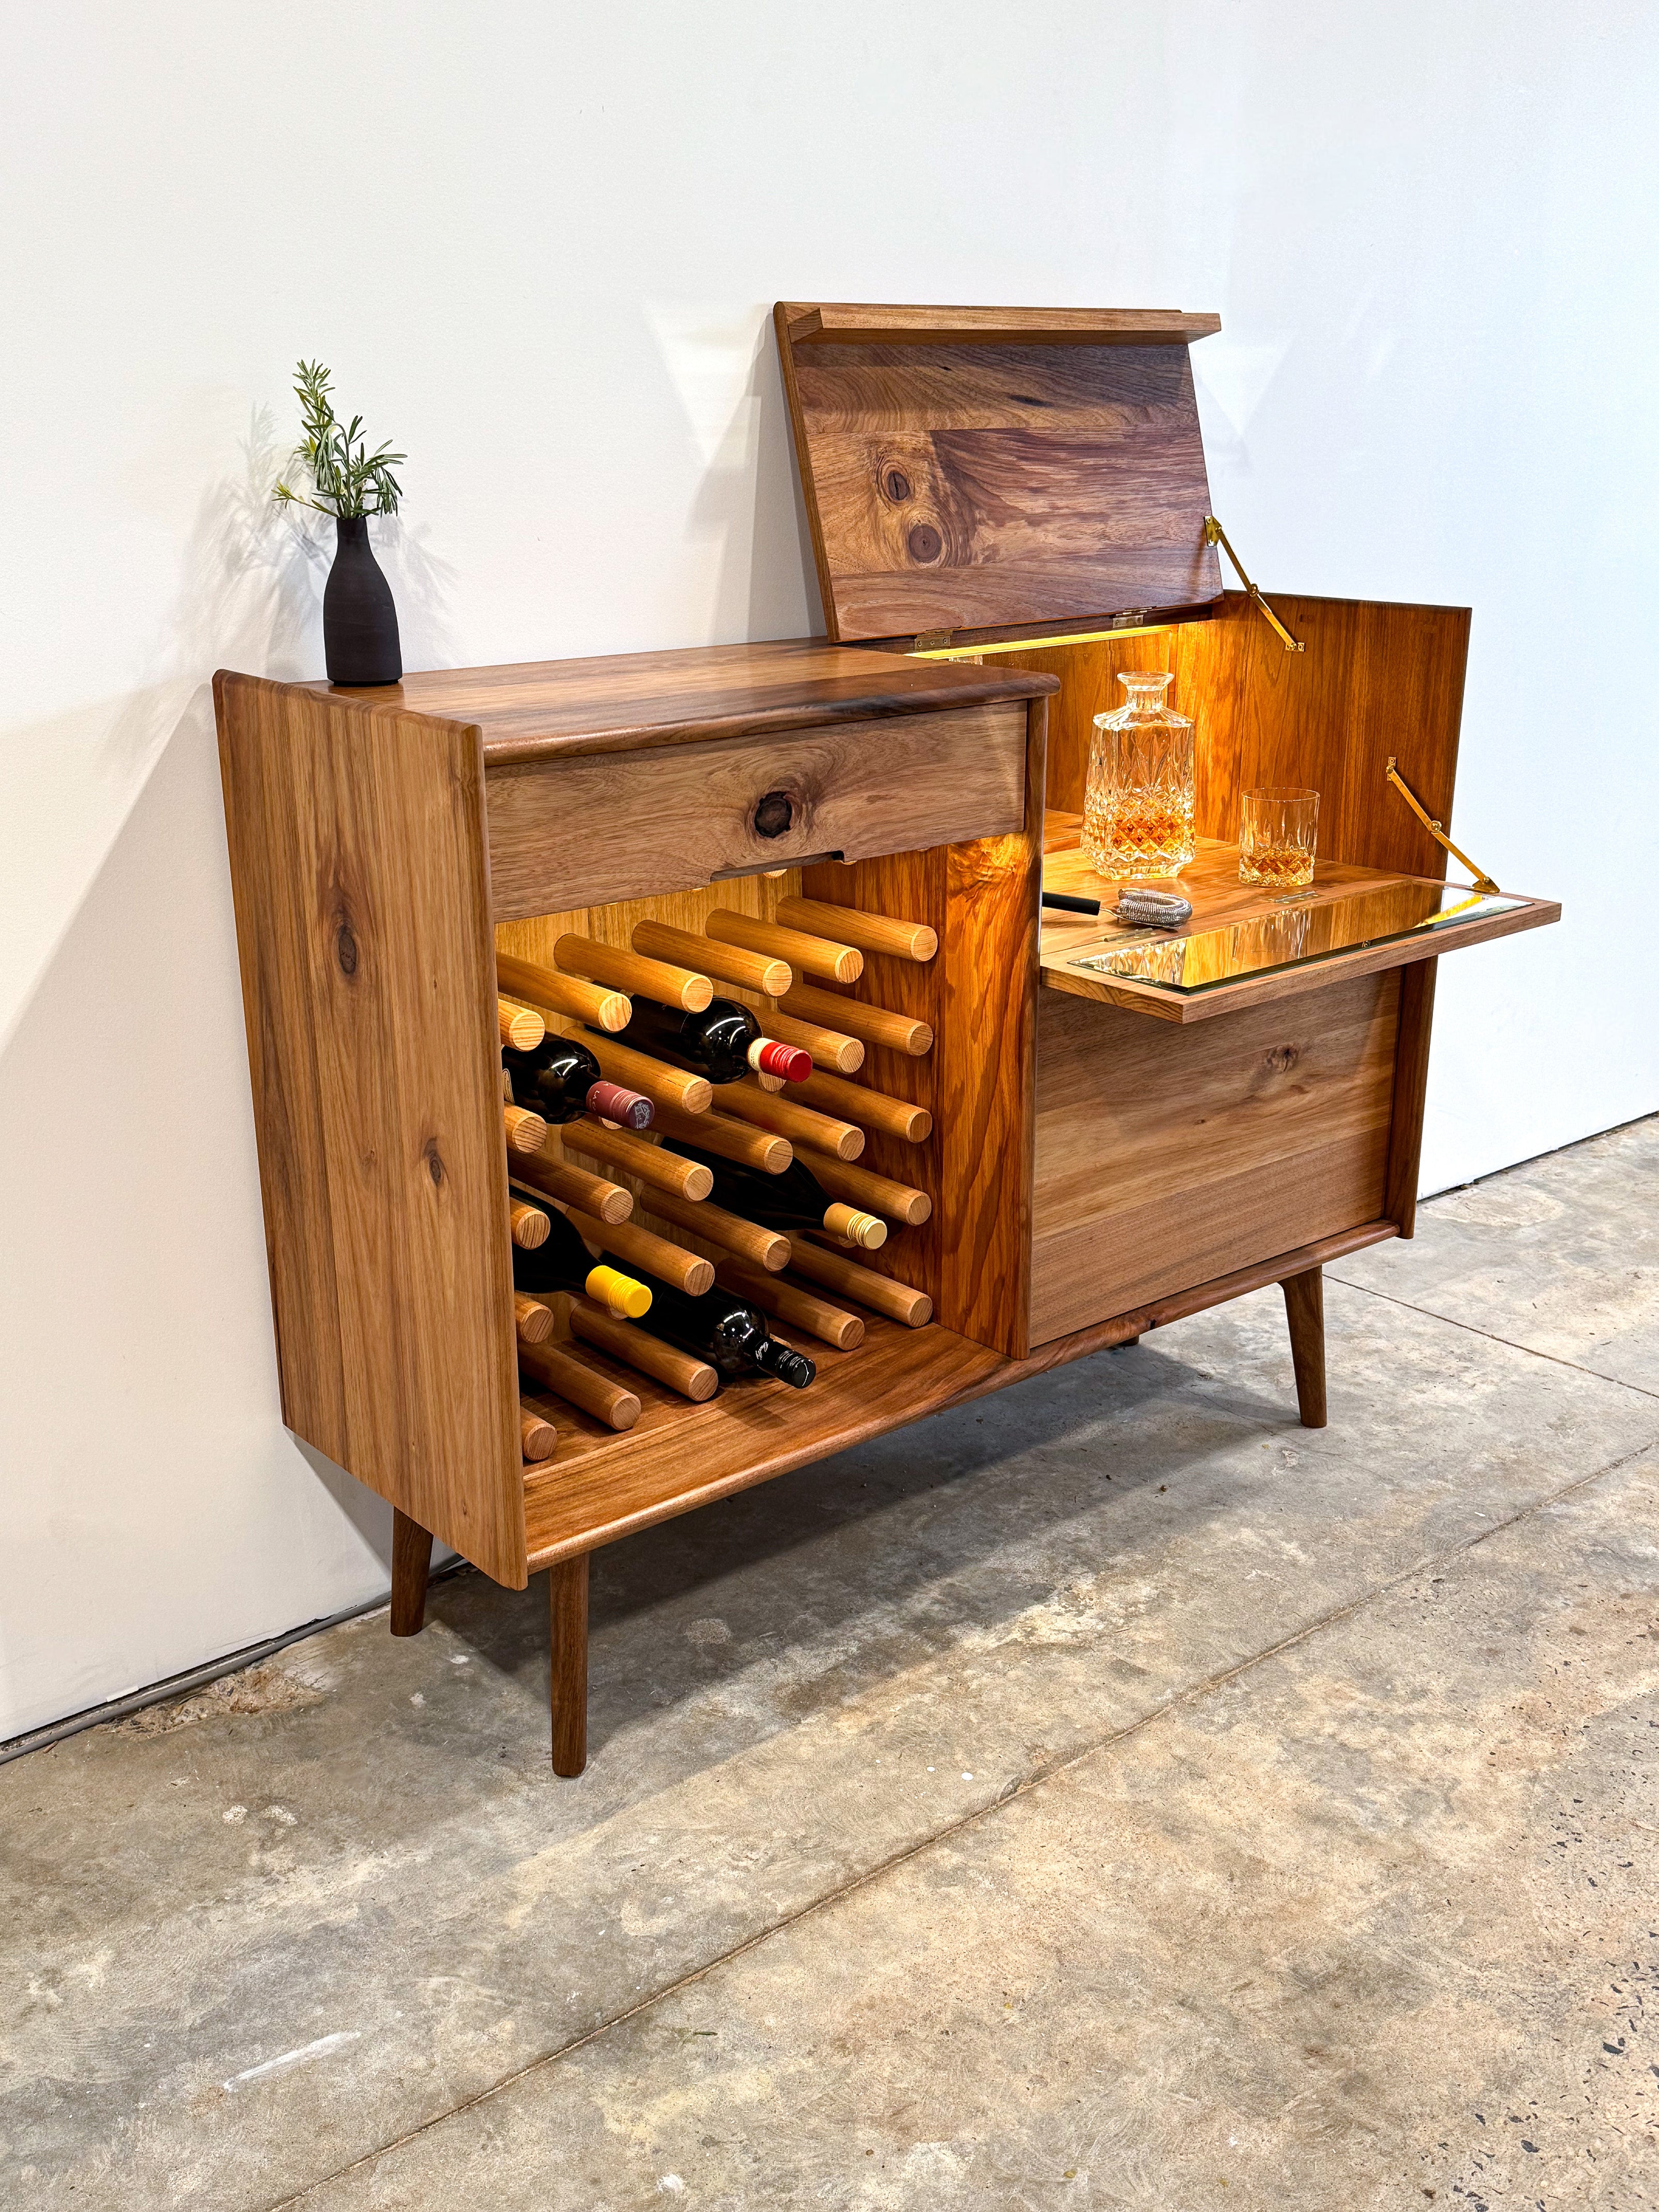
{"x":558,"y":1178}
{"x":869,"y":1109}
{"x":526,"y":1132}
{"x":875,"y":1024}
{"x":896,"y":1201}
{"x":762,"y":1149}
{"x":896,"y":1300}
{"x":529,"y":1225}
{"x":531,"y":1318}
{"x":871,"y":932}
{"x":632,"y":971}
{"x":830,"y":1048}
{"x":537,"y":1437}
{"x":577,"y":1383}
{"x":755,"y":971}
{"x":651,"y":1164}
{"x":546,"y":1406}
{"x":750,"y":1240}
{"x":683,"y":1371}
{"x":749,"y":1102}
{"x":662,"y":1084}
{"x":687,"y":1271}
{"x":562,"y":994}
{"x":803,"y":1309}
{"x":522,"y":1027}
{"x":806,"y":955}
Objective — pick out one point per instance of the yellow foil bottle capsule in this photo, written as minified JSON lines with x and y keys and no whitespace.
{"x":618,"y":1293}
{"x":867,"y":1231}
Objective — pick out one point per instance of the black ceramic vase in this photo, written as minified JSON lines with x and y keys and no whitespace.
{"x":360,"y":622}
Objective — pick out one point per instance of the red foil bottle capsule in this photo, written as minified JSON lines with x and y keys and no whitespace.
{"x":767,"y":1057}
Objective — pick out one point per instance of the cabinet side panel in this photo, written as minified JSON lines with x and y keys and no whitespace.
{"x":360,"y":879}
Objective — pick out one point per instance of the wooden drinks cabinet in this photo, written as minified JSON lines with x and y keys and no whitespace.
{"x":1076,"y":1133}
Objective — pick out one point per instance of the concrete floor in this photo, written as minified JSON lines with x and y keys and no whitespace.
{"x":1109,"y":1795}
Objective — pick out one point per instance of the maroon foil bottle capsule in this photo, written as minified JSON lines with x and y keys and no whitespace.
{"x":561,"y":1078}
{"x":627,"y":1108}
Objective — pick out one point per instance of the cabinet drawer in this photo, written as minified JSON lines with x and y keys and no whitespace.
{"x":605,"y":826}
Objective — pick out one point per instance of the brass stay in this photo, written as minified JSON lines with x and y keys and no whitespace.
{"x":1482,"y":882}
{"x":1215,"y":535}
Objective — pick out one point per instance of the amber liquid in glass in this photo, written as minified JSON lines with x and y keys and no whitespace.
{"x":1286,"y":867}
{"x":1140,"y":833}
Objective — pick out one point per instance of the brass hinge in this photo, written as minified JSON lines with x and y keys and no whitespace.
{"x":931,"y":641}
{"x":1482,"y":882}
{"x":1215,"y":535}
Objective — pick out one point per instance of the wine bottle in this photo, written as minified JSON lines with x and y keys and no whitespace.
{"x":562,"y":1263}
{"x":793,"y":1200}
{"x":724,"y":1042}
{"x":561,"y":1078}
{"x":726,"y":1330}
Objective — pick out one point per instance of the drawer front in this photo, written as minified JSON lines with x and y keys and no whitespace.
{"x":605,"y":826}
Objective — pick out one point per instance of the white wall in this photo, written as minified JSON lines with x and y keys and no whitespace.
{"x":537,"y":245}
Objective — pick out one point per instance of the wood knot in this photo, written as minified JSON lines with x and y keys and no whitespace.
{"x":924,"y":543}
{"x":434,"y":1161}
{"x":774,"y":813}
{"x":1280,"y":1059}
{"x":897,"y":485}
{"x":345,"y":949}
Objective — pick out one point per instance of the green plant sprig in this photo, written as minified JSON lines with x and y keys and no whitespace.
{"x":344,"y":475}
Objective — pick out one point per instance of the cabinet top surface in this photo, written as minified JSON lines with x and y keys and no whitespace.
{"x":534,"y":709}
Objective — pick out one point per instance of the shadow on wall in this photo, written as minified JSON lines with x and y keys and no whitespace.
{"x":749,"y":502}
{"x":249,"y":596}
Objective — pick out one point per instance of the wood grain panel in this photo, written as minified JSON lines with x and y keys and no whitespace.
{"x":1375,"y":679}
{"x":1166,"y":1156}
{"x":604,"y":1487}
{"x":983,"y":485}
{"x":592,"y":831}
{"x":360,"y":873}
{"x":633,"y":702}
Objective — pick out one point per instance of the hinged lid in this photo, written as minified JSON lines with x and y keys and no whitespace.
{"x":984,"y":472}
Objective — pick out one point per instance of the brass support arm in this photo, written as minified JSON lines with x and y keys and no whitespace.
{"x":1215,"y":535}
{"x":1482,"y":882}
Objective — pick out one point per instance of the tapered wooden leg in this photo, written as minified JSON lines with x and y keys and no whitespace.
{"x":411,"y":1562}
{"x":1304,"y":1308}
{"x":566,"y":1597}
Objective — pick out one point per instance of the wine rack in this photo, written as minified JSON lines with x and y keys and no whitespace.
{"x":730,"y":939}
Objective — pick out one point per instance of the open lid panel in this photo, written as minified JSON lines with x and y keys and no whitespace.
{"x":979,"y":473}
